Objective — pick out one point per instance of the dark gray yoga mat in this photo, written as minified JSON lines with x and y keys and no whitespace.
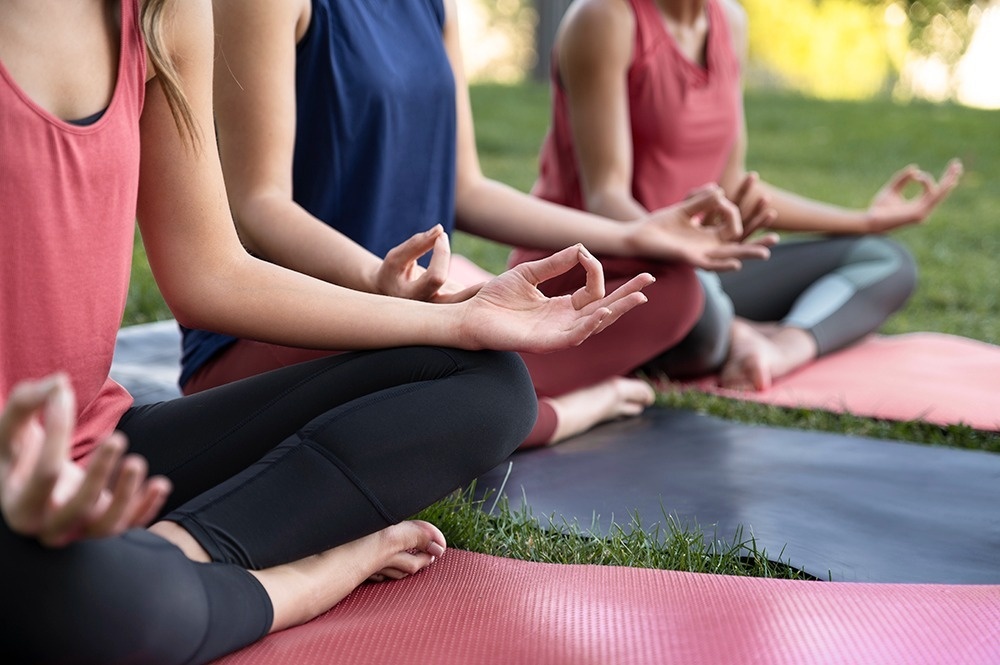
{"x":147,"y":361}
{"x":860,"y":509}
{"x":849,"y":508}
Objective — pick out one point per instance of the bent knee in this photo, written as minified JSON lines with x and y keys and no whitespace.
{"x":888,"y":263}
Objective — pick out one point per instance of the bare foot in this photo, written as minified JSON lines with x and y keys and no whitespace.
{"x":581,"y":409}
{"x":760,"y":354}
{"x":304,"y":589}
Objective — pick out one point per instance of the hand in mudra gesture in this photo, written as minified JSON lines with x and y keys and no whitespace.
{"x":44,"y":494}
{"x":510,"y":313}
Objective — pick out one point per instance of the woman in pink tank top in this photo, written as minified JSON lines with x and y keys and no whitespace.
{"x":647,"y":104}
{"x":273,"y":497}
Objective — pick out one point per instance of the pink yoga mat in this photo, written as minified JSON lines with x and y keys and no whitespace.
{"x":931,"y":377}
{"x":472,"y":608}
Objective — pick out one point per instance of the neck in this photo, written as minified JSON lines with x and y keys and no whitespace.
{"x":682,"y":12}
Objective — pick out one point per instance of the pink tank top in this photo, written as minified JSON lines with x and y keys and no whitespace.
{"x":67,"y":218}
{"x":685,"y":118}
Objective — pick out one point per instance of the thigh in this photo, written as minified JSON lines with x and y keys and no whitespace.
{"x":200,"y":440}
{"x":675,"y":301}
{"x":127,"y":599}
{"x":766,"y":290}
{"x":368,"y":462}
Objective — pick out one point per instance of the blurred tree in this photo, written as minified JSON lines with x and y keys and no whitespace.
{"x":828,"y":48}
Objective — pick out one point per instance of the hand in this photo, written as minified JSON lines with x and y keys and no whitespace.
{"x":704,"y":230}
{"x":754,"y":206}
{"x":890,"y":209}
{"x":510,"y":313}
{"x":400,"y":275}
{"x":45,"y":495}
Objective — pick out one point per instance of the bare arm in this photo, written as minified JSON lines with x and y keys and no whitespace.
{"x":210,"y":281}
{"x":490,"y":209}
{"x":594,"y":48}
{"x":889,"y":208}
{"x":254,"y":97}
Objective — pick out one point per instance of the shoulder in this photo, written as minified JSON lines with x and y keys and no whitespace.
{"x":598,"y":17}
{"x":184,"y":31}
{"x":736,"y":18}
{"x":596,"y":30}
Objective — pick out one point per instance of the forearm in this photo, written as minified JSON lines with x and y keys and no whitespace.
{"x":614,"y":204}
{"x":493,"y":210}
{"x":798,"y":213}
{"x":253,"y":299}
{"x":277,"y":229}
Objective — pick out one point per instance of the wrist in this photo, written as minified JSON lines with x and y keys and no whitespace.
{"x":625,"y":238}
{"x":865,"y":223}
{"x":454,"y":328}
{"x":369,"y":279}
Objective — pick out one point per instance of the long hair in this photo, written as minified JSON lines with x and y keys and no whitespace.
{"x":151,"y":19}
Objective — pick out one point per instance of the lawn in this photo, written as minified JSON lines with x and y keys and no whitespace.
{"x":836,"y":151}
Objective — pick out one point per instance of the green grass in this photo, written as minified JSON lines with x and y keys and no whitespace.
{"x":668,"y":544}
{"x":835,"y":151}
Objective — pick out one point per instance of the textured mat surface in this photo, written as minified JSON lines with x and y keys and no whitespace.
{"x":147,"y":361}
{"x":472,"y":608}
{"x":931,"y":377}
{"x":852,"y":508}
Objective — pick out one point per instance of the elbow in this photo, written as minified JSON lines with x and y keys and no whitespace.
{"x":202,"y":299}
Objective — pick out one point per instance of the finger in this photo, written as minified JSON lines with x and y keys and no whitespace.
{"x":926,"y":182}
{"x":620,"y":307}
{"x":584,"y":328}
{"x":437,"y":269}
{"x":953,"y":171}
{"x":716,"y":264}
{"x":634,"y":285}
{"x":114,"y":518}
{"x":407,"y":252}
{"x":708,"y":187}
{"x":731,"y":256}
{"x":153,"y":495}
{"x":74,"y":514}
{"x":459,"y":296}
{"x":749,"y":180}
{"x":765,"y":240}
{"x":593,"y":289}
{"x":949,"y":178}
{"x":762,"y":217}
{"x":723,"y":213}
{"x":24,"y":401}
{"x":740,"y":251}
{"x":901,"y":178}
{"x":538,"y":271}
{"x":59,"y":415}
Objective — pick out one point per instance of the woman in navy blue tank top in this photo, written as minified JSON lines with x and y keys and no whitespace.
{"x":350,"y":120}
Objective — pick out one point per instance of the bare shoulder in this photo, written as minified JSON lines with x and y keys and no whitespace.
{"x":736,"y":16}
{"x":597,"y":17}
{"x":185,"y":29}
{"x":600,"y":29}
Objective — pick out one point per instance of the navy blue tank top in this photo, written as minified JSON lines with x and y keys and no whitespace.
{"x":375,"y":133}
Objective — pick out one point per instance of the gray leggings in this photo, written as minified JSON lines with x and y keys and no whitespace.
{"x":838,"y":289}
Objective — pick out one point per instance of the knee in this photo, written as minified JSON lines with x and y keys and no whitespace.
{"x":503,"y":401}
{"x":896,"y":264}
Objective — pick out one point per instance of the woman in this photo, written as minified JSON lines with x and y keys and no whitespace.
{"x":647,"y":103}
{"x":354,"y":117}
{"x":272,"y":498}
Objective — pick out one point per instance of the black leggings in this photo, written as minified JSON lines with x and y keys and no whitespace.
{"x":266,"y":470}
{"x":837,"y":289}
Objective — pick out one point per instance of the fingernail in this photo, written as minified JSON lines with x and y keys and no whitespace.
{"x":435,"y":549}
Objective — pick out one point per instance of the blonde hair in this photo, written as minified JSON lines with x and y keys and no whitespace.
{"x":150,"y":18}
